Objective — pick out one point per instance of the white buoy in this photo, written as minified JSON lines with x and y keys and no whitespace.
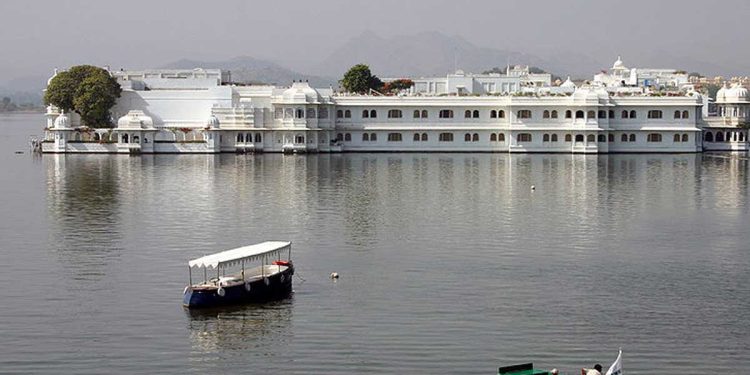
{"x":334,"y":275}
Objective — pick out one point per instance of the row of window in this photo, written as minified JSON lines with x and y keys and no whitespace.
{"x":527,"y":137}
{"x":725,"y":137}
{"x":300,"y":113}
{"x":522,"y":114}
{"x":248,"y":138}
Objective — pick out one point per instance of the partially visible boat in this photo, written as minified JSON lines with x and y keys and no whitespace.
{"x":270,"y":280}
{"x":522,"y":369}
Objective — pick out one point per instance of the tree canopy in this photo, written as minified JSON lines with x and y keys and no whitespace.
{"x":88,"y":90}
{"x":360,"y":79}
{"x":397,"y":85}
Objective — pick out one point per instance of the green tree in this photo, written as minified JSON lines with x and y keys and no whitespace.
{"x":398,"y":85}
{"x":360,"y":79}
{"x":89,"y":91}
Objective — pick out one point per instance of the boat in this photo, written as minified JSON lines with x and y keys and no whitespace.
{"x":522,"y":369}
{"x":234,"y":282}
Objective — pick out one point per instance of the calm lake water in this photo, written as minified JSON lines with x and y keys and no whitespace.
{"x":449,"y":263}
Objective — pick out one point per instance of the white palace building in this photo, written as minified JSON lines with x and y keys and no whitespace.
{"x":200,"y":111}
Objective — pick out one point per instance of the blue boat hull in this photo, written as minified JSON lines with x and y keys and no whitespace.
{"x":276,"y":287}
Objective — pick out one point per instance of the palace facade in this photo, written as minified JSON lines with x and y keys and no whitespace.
{"x":200,"y":111}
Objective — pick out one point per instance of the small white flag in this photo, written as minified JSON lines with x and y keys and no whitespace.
{"x":616,"y":368}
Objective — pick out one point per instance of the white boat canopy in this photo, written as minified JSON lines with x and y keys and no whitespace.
{"x":240,"y":254}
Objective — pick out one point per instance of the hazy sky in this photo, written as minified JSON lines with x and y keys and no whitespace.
{"x":35,"y":36}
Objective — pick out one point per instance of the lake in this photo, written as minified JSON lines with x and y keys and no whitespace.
{"x":449,"y":263}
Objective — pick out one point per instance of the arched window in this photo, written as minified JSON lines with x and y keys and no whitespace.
{"x":493,"y":137}
{"x":602,"y":114}
{"x":311,"y":113}
{"x":742,"y":137}
{"x":446,"y":113}
{"x":676,"y":138}
{"x":394,"y":113}
{"x":394,"y":137}
{"x":416,"y":113}
{"x":416,"y":137}
{"x":523,"y":137}
{"x":653,"y":137}
{"x":339,"y":137}
{"x":467,"y":137}
{"x":475,"y":137}
{"x":365,"y":137}
{"x":493,"y":114}
{"x":300,"y":113}
{"x":545,"y":114}
{"x":579,"y":137}
{"x":373,"y":137}
{"x":624,"y":138}
{"x":348,"y":137}
{"x":611,"y":114}
{"x":685,"y":114}
{"x":240,"y":138}
{"x":501,"y":137}
{"x":373,"y":113}
{"x":655,"y":114}
{"x":125,"y":138}
{"x":624,"y":114}
{"x":601,"y":138}
{"x":633,"y":114}
{"x":501,"y":114}
{"x":424,"y":113}
{"x":467,"y":114}
{"x":248,"y":137}
{"x":685,"y":137}
{"x":591,"y":114}
{"x":591,"y":138}
{"x":136,"y":139}
{"x":632,"y":138}
{"x":348,"y":114}
{"x":445,"y":137}
{"x":579,"y":114}
{"x":339,"y":113}
{"x":475,"y":114}
{"x":545,"y":138}
{"x":424,"y":137}
{"x":568,"y":138}
{"x":524,"y":113}
{"x":258,"y":138}
{"x":299,"y":139}
{"x":96,"y":136}
{"x":365,"y":113}
{"x":709,"y":137}
{"x":677,"y":114}
{"x":611,"y":137}
{"x":554,"y":114}
{"x":568,"y":114}
{"x":554,"y":137}
{"x":323,"y":113}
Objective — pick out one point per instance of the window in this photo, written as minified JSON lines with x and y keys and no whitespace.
{"x":654,"y":137}
{"x":300,"y":113}
{"x":524,"y":137}
{"x":545,"y":114}
{"x":339,"y":137}
{"x":601,"y":138}
{"x":365,"y":137}
{"x":394,"y":137}
{"x":467,"y":114}
{"x":685,"y":114}
{"x":310,"y":113}
{"x":299,"y":139}
{"x":554,"y":137}
{"x":720,"y":137}
{"x":676,"y":138}
{"x":416,"y":113}
{"x":347,"y":114}
{"x":446,"y":113}
{"x":709,"y":137}
{"x":467,"y":137}
{"x":742,"y":137}
{"x":475,"y":137}
{"x":632,"y":114}
{"x":323,"y":113}
{"x":579,"y":137}
{"x":654,"y":114}
{"x":591,"y":138}
{"x":524,"y":113}
{"x":624,"y":138}
{"x":240,"y":138}
{"x":568,"y":114}
{"x":624,"y":114}
{"x":591,"y":114}
{"x":348,"y":137}
{"x":610,"y":137}
{"x":677,"y":114}
{"x":258,"y":138}
{"x":501,"y":137}
{"x":365,"y":114}
{"x":373,"y":137}
{"x":579,"y":114}
{"x":493,"y":114}
{"x":339,"y":113}
{"x":568,"y":138}
{"x":475,"y":114}
{"x":445,"y":137}
{"x":416,"y":137}
{"x":124,"y":138}
{"x":602,"y":114}
{"x":545,"y":138}
{"x":632,"y":138}
{"x":373,"y":113}
{"x":424,"y":137}
{"x":395,"y":113}
{"x":424,"y":113}
{"x":279,"y":113}
{"x":493,"y":137}
{"x":554,"y":114}
{"x":611,"y":114}
{"x":501,"y":114}
{"x":685,"y":137}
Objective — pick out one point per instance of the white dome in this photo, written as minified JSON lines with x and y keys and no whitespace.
{"x":618,"y":64}
{"x":722,"y":93}
{"x":736,"y":94}
{"x":62,"y":121}
{"x":568,"y":84}
{"x":300,"y":92}
{"x":213,"y":122}
{"x":135,"y":119}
